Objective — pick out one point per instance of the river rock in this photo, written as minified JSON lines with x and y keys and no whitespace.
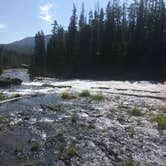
{"x":8,"y":82}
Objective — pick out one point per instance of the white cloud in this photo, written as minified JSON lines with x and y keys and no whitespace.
{"x":2,"y":26}
{"x":45,"y":13}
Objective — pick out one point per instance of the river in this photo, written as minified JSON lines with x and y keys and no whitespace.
{"x":105,"y":131}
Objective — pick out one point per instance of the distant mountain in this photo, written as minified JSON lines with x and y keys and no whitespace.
{"x":24,"y":46}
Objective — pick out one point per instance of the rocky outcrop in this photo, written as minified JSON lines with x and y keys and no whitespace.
{"x":8,"y":82}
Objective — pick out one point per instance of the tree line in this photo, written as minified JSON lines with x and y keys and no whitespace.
{"x":122,"y":38}
{"x":10,"y":58}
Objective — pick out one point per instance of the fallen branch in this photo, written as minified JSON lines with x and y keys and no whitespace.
{"x":16,"y":98}
{"x":56,"y":86}
{"x":101,"y":88}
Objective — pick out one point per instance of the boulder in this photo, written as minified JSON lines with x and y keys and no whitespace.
{"x":9,"y":81}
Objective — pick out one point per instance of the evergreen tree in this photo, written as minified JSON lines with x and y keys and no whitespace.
{"x":72,"y":42}
{"x":122,"y":38}
{"x":39,"y":50}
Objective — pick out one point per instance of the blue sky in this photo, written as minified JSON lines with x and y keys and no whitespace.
{"x":23,"y":18}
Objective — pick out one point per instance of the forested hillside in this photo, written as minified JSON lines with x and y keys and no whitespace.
{"x":10,"y":58}
{"x":122,"y":38}
{"x":24,"y":46}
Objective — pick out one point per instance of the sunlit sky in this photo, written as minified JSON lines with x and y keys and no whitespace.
{"x":23,"y":18}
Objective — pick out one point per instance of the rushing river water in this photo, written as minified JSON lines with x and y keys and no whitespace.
{"x":106,"y":132}
{"x":50,"y":85}
{"x":44,"y":88}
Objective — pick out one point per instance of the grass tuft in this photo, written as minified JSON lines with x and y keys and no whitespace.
{"x":133,"y":131}
{"x":35,"y":146}
{"x":74,"y":117}
{"x":85,"y":93}
{"x":136,"y":112}
{"x":27,"y":163}
{"x":27,"y":116}
{"x":161,"y":121}
{"x":97,"y":97}
{"x":127,"y":163}
{"x":71,"y":151}
{"x":67,"y":95}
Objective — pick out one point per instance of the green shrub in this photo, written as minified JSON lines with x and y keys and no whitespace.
{"x":97,"y":97}
{"x":74,"y":117}
{"x":71,"y":151}
{"x":133,"y":131}
{"x":27,"y":116}
{"x":136,"y":112}
{"x":27,"y":163}
{"x":127,"y":163}
{"x":161,"y":120}
{"x":67,"y":95}
{"x":35,"y":146}
{"x":85,"y":93}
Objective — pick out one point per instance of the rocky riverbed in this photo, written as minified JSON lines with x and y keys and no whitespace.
{"x":51,"y":122}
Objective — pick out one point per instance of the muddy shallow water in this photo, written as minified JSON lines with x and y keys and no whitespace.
{"x":81,"y":130}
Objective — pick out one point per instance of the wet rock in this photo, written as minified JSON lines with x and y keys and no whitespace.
{"x":8,"y":82}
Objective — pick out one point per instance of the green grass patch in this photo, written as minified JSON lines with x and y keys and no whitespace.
{"x":97,"y":97}
{"x":133,"y":131}
{"x":161,"y":121}
{"x":67,"y":95}
{"x":72,"y":151}
{"x":27,"y":163}
{"x":126,"y":163}
{"x":85,"y":93}
{"x":74,"y":117}
{"x":4,"y":117}
{"x":136,"y":112}
{"x":87,"y":126}
{"x":35,"y":146}
{"x":27,"y":116}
